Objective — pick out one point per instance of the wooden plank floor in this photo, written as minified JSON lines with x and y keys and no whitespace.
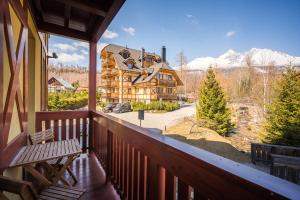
{"x":91,"y":177}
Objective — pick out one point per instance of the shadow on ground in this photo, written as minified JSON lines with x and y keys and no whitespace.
{"x":217,"y":147}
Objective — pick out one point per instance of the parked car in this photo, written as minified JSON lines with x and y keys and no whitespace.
{"x":121,"y":108}
{"x":109,"y":107}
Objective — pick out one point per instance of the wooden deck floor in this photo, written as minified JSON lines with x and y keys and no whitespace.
{"x":91,"y":177}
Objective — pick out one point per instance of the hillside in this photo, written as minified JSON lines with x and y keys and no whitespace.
{"x":72,"y":74}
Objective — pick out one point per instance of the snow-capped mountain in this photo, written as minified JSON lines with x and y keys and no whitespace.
{"x":258,"y":57}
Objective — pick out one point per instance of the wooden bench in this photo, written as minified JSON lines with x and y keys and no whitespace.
{"x":262,"y":152}
{"x":27,"y":192}
{"x":286,"y":167}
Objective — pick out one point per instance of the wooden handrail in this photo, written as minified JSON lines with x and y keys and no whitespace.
{"x":128,"y":152}
{"x":153,"y":166}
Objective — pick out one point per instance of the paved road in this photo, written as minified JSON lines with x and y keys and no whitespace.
{"x":158,"y":120}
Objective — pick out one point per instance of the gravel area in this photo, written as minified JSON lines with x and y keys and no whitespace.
{"x":158,"y":120}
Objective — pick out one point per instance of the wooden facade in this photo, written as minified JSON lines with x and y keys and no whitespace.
{"x":133,"y":75}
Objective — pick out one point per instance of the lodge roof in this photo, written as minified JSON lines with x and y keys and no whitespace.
{"x":63,"y":82}
{"x":135,"y":54}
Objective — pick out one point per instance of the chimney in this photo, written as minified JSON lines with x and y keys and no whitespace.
{"x":163,"y":54}
{"x":142,"y":57}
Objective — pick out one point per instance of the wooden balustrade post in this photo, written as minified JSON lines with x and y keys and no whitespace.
{"x":92,"y":76}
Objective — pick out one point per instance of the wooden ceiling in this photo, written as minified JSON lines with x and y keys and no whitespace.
{"x":80,"y":19}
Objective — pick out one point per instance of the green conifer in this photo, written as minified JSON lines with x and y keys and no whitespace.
{"x":212,"y":107}
{"x":283,"y":116}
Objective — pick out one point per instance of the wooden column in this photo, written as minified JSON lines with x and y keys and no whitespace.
{"x":1,"y":76}
{"x":92,"y":76}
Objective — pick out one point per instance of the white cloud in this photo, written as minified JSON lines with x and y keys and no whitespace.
{"x":110,"y":34}
{"x":69,"y":58}
{"x":81,"y":44}
{"x":64,"y":47}
{"x":189,"y":15}
{"x":129,"y":30}
{"x":230,"y":33}
{"x":85,"y":52}
{"x":100,"y":46}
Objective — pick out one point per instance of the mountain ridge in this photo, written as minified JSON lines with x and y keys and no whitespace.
{"x":256,"y":56}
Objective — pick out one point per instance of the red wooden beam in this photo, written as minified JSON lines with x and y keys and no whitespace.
{"x":1,"y":74}
{"x":92,"y":75}
{"x":62,"y":31}
{"x":84,"y":5}
{"x":67,"y":15}
{"x":101,"y":25}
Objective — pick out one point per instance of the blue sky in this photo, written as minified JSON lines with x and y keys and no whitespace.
{"x":197,"y":27}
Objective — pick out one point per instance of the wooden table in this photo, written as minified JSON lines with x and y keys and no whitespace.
{"x":41,"y":153}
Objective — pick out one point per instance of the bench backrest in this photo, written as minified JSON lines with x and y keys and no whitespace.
{"x":261,"y":152}
{"x":23,"y":188}
{"x":41,"y":137}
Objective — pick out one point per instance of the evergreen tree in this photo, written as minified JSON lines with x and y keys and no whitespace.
{"x":212,"y":107}
{"x":283,"y":116}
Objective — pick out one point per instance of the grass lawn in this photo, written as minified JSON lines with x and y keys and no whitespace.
{"x":206,"y":139}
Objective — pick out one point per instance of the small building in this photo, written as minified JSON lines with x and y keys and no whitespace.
{"x":58,"y":84}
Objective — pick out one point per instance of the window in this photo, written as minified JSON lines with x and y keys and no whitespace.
{"x":161,"y":76}
{"x":169,"y":77}
{"x":137,"y":90}
{"x":129,"y":78}
{"x":145,"y":90}
{"x":130,"y":65}
{"x":148,"y":59}
{"x":129,"y":91}
{"x":159,"y":90}
{"x":169,"y":90}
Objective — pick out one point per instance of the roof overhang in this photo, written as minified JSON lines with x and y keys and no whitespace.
{"x":79,"y":19}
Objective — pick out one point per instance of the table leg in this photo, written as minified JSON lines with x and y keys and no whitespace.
{"x":37,"y":175}
{"x":54,"y":172}
{"x":62,"y":170}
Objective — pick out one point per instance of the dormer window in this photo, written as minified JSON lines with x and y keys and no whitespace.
{"x":125,"y":53}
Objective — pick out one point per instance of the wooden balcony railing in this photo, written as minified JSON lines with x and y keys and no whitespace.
{"x":66,"y":125}
{"x":145,"y":165}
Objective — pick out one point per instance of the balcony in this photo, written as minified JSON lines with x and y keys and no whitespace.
{"x":168,"y":83}
{"x":143,"y":165}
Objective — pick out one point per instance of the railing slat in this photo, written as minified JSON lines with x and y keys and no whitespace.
{"x":136,"y":176}
{"x":170,"y":186}
{"x":63,"y":129}
{"x":184,"y":191}
{"x":56,"y":129}
{"x":143,"y":176}
{"x":130,"y":172}
{"x":78,"y":132}
{"x":152,"y":179}
{"x":47,"y":124}
{"x":84,"y":139}
{"x":71,"y":129}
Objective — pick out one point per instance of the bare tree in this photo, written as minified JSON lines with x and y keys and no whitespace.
{"x":182,"y":61}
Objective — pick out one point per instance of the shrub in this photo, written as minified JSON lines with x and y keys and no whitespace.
{"x":155,"y":105}
{"x":67,"y":100}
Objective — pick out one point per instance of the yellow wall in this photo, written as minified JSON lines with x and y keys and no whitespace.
{"x":35,"y":53}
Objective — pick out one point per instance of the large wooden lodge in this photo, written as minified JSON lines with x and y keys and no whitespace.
{"x":135,"y":75}
{"x":119,"y":160}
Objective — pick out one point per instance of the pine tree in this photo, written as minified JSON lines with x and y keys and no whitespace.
{"x":283,"y":119}
{"x":212,"y":107}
